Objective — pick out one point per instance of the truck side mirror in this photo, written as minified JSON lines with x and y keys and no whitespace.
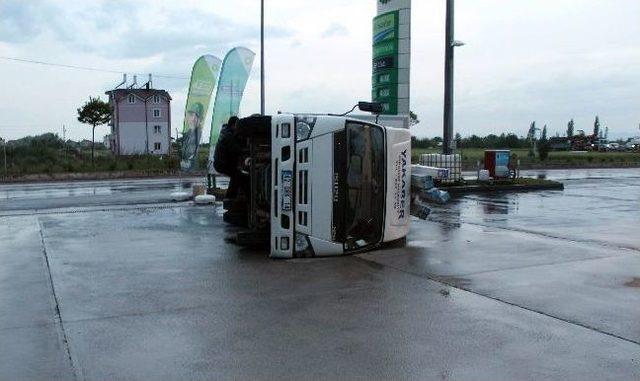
{"x":372,"y":107}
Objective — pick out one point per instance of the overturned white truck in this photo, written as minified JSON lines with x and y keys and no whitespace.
{"x":324,"y":185}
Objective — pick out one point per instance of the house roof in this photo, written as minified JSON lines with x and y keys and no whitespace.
{"x":142,"y":93}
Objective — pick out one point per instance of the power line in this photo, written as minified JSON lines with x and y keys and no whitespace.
{"x":86,"y":68}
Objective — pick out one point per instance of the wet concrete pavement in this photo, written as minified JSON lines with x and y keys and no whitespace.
{"x":520,"y":286}
{"x":33,"y":198}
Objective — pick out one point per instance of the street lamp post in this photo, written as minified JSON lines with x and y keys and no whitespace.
{"x":262,"y":57}
{"x":450,"y":45}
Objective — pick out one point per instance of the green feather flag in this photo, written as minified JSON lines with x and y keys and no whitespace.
{"x":203,"y":80}
{"x":233,"y":80}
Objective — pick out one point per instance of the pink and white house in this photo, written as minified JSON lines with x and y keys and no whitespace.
{"x":140,"y":121}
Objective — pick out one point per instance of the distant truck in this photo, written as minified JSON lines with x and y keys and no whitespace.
{"x":324,"y":185}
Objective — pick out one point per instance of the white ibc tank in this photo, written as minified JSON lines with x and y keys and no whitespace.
{"x":451,"y":162}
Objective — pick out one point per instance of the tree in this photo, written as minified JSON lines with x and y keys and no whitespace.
{"x":570,"y":128}
{"x":413,"y":118}
{"x":95,"y":112}
{"x":531,"y":137}
{"x":512,"y":141}
{"x":543,"y":146}
{"x":458,"y":140}
{"x":596,"y":127}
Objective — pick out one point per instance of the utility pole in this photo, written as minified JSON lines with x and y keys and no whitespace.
{"x":450,"y":45}
{"x":262,"y":57}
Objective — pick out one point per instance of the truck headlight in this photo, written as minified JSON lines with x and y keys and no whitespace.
{"x":304,"y":126}
{"x":303,"y":248}
{"x":303,"y":130}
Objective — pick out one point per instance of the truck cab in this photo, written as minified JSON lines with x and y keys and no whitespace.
{"x":335,"y":185}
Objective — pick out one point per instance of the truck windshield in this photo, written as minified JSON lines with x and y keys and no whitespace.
{"x":365,"y":178}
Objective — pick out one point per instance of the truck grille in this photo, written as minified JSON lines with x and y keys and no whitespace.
{"x":303,"y":218}
{"x":303,"y":156}
{"x":303,"y":187}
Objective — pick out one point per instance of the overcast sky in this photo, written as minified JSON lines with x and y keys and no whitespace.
{"x":525,"y":60}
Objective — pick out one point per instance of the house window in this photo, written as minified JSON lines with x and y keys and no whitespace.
{"x":156,"y":113}
{"x":157,"y":129}
{"x":132,"y":99}
{"x":156,"y":99}
{"x":157,"y":146}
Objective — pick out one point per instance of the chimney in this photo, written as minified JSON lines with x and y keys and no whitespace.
{"x":150,"y":81}
{"x":134,"y":83}
{"x":124,"y":81}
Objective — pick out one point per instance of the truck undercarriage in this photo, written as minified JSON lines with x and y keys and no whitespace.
{"x":250,"y":209}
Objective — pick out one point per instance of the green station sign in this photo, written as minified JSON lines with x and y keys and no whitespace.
{"x":389,"y":107}
{"x":385,"y":61}
{"x":386,"y":48}
{"x":385,"y":92}
{"x":386,"y":77}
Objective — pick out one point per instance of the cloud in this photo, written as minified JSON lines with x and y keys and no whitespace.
{"x":119,"y":29}
{"x":523,"y":60}
{"x":17,"y":22}
{"x":335,"y":30}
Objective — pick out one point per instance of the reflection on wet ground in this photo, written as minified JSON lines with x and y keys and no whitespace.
{"x":597,"y":206}
{"x":92,"y":188}
{"x":17,"y":198}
